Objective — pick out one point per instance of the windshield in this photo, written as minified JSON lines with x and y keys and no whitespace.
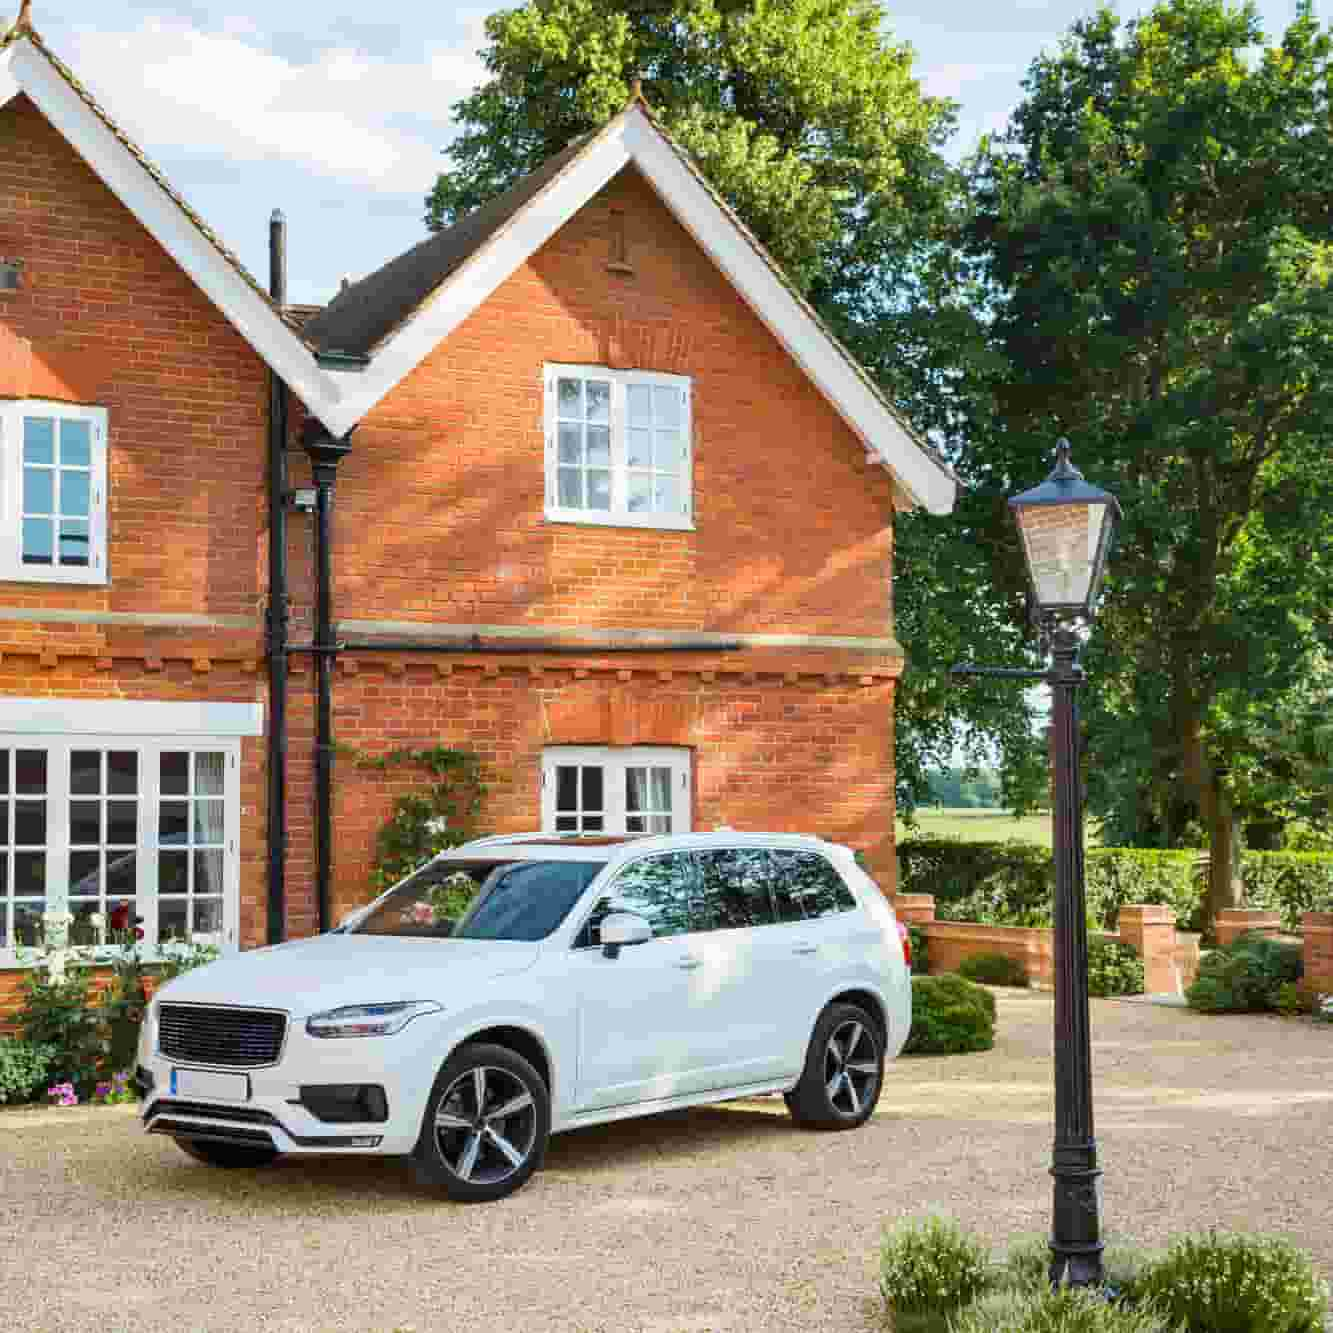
{"x":482,"y":900}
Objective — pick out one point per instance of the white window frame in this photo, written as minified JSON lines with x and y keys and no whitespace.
{"x":613,"y":761}
{"x":619,"y":515}
{"x":59,"y":726}
{"x":12,"y":568}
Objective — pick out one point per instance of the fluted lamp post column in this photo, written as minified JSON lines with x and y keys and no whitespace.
{"x":1066,"y":526}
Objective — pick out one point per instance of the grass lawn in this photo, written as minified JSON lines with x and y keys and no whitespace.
{"x":987,"y":826}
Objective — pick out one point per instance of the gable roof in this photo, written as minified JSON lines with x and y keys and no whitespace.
{"x":28,"y":66}
{"x":393,"y":319}
{"x":400,"y":313}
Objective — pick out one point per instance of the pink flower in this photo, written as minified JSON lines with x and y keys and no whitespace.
{"x":423,"y":913}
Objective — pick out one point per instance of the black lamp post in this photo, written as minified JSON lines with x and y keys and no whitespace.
{"x":1066,"y":526}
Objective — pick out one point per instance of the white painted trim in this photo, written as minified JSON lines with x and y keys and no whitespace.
{"x":543,"y":215}
{"x":9,"y":88}
{"x":613,"y":760}
{"x":253,"y":318}
{"x":785,"y":317}
{"x":129,"y":717}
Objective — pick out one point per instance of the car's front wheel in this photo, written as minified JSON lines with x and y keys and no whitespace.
{"x":213,"y":1153}
{"x":486,"y":1125}
{"x":844,"y":1070}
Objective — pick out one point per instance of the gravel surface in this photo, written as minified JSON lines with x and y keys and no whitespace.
{"x":718,"y":1219}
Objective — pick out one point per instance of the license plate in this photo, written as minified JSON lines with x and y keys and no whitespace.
{"x":211,"y":1086}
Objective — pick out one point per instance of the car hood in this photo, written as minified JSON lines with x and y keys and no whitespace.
{"x":308,"y":976}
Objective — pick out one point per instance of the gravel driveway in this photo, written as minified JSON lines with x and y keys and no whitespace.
{"x":726,"y":1218}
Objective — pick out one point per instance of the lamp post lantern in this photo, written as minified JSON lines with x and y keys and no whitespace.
{"x":1066,"y":526}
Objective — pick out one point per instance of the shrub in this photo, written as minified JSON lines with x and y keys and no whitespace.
{"x":1113,"y":968}
{"x":57,"y":1013}
{"x":1069,"y":1310}
{"x":929,"y":1269}
{"x":1291,"y":999}
{"x":994,"y":969}
{"x":1119,"y":875}
{"x":1003,"y":883}
{"x":1027,"y":1266}
{"x":920,"y":946}
{"x":23,"y":1069}
{"x":950,"y":1016}
{"x":1217,"y":1283}
{"x":1245,"y":977}
{"x":1290,"y":883}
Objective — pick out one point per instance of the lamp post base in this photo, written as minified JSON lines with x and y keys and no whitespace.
{"x":1076,"y":1231}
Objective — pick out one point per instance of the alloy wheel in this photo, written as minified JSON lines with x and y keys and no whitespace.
{"x":851,"y":1067}
{"x":486,"y":1125}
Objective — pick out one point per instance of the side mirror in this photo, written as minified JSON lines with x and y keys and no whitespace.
{"x":621,"y":928}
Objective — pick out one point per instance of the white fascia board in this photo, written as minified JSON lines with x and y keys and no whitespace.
{"x":129,"y":717}
{"x":808,"y":345}
{"x":464,"y":291}
{"x":9,"y":88}
{"x":253,"y":318}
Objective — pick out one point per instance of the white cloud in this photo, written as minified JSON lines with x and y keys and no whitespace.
{"x":176,"y":86}
{"x":954,"y":81}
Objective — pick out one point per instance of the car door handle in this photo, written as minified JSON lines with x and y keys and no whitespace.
{"x":805,"y":948}
{"x":689,"y":963}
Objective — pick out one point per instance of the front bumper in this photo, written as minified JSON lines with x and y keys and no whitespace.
{"x":280,"y":1111}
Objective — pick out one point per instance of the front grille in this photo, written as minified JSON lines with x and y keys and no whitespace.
{"x":212,"y":1035}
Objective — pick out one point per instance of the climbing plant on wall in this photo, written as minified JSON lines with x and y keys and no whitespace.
{"x":425,"y":822}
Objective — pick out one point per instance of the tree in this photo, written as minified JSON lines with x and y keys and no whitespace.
{"x":1157,"y":223}
{"x":805,"y":115}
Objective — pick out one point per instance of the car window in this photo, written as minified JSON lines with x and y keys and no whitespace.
{"x":734,"y":889}
{"x":482,"y":900}
{"x":656,"y":888}
{"x":807,"y":882}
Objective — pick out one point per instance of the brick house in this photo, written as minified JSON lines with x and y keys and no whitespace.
{"x":598,"y":498}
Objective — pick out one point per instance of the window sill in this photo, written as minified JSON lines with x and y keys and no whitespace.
{"x":79,"y":579}
{"x":653,"y":522}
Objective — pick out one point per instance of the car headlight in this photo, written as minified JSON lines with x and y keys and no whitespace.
{"x":368,"y":1020}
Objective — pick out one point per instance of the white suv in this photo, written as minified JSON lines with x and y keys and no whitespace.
{"x":588,"y":979}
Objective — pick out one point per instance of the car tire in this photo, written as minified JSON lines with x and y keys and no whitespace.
{"x":230,"y":1155}
{"x":844,"y":1070}
{"x":487,"y":1122}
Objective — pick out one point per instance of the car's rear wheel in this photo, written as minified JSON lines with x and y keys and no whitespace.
{"x":213,"y":1153}
{"x":844,"y":1071}
{"x":486,"y":1125}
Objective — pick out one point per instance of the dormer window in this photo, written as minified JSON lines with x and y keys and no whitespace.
{"x":53,"y":503}
{"x":618,"y":447}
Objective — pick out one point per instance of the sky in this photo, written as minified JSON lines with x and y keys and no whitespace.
{"x":338,"y":113}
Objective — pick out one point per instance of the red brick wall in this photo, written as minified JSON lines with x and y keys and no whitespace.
{"x":439,"y":508}
{"x":186,"y":395}
{"x":806,"y":755}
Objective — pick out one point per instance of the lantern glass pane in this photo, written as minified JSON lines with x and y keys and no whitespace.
{"x":1062,"y":543}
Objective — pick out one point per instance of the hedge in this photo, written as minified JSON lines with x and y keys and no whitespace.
{"x":1012,"y":883}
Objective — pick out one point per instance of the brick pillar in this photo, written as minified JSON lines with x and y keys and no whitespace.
{"x":1150,"y":930}
{"x":914,"y":909}
{"x":1318,"y":948}
{"x":1234,"y":921}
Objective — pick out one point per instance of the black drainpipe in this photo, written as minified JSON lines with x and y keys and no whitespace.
{"x":278,"y":617}
{"x":325,"y":453}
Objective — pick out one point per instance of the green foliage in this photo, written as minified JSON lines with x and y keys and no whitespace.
{"x":1246,"y":977}
{"x":1117,"y":876}
{"x":24,"y":1067}
{"x":920,"y":950}
{"x":57,"y":1013}
{"x":1113,"y":968}
{"x":1154,"y":226}
{"x":803,"y":115}
{"x":1290,"y":999}
{"x":1005,"y":883}
{"x":1027,"y":1263}
{"x":1291,"y":883}
{"x":950,"y":1016}
{"x":179,"y":956}
{"x":994,"y":969}
{"x":965,"y":789}
{"x":928,"y":1269}
{"x":423,"y":824}
{"x":1236,"y":1284}
{"x":1068,"y":1310}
